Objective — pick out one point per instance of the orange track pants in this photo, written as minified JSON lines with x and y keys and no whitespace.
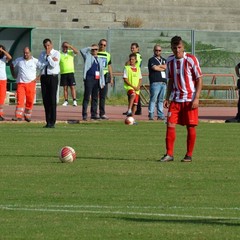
{"x":25,"y":99}
{"x":3,"y":89}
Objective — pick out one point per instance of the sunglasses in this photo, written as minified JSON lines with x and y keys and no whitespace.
{"x":157,"y":50}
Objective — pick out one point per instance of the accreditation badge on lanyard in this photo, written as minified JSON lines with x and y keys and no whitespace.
{"x":160,"y":63}
{"x":97,"y":73}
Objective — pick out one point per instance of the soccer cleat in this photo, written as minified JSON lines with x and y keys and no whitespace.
{"x":65,"y":103}
{"x":2,"y":118}
{"x":166,"y":158}
{"x":129,"y":114}
{"x":186,"y":159}
{"x":74,"y":103}
{"x":125,"y":113}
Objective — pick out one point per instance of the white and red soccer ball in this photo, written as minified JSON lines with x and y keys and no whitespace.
{"x":129,"y":121}
{"x":67,"y":154}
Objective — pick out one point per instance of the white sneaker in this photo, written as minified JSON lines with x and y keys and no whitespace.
{"x":65,"y":103}
{"x":75,"y":103}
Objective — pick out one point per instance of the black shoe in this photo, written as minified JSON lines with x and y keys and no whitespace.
{"x":95,"y":118}
{"x":2,"y":118}
{"x":125,"y":113}
{"x":27,"y":119}
{"x":161,"y":118}
{"x":186,"y":159}
{"x":232,"y":120}
{"x":49,"y":126}
{"x":129,"y":114}
{"x":138,"y":113}
{"x":17,"y":119}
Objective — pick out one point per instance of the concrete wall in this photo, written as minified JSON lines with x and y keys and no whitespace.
{"x":217,"y":15}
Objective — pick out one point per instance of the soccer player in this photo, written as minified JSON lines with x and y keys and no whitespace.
{"x":182,"y":98}
{"x":132,"y":81}
{"x":135,"y":49}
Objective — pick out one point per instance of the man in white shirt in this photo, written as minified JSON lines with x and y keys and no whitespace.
{"x":25,"y":69}
{"x":49,"y":65}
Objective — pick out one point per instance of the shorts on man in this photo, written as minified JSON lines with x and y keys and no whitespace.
{"x":67,"y":79}
{"x":183,"y":114}
{"x":131,"y":92}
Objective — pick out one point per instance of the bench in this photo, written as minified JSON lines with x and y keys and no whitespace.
{"x":212,"y":85}
{"x":230,"y":89}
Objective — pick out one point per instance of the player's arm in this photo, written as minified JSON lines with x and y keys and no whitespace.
{"x":166,"y":102}
{"x":159,"y":68}
{"x":75,"y":50}
{"x":110,"y":71}
{"x":128,"y":83}
{"x":139,"y":85}
{"x":195,"y":102}
{"x":8,"y":56}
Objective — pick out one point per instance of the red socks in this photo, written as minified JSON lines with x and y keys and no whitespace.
{"x":191,"y":138}
{"x":170,"y":139}
{"x":171,"y":136}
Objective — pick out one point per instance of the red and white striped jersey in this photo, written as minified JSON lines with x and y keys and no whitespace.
{"x":184,"y":72}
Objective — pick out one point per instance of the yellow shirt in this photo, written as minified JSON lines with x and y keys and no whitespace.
{"x":67,"y":62}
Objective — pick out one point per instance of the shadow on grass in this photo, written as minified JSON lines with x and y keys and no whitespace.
{"x":80,"y":157}
{"x":206,"y":221}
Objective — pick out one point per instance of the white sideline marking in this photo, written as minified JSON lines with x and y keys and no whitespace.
{"x":120,"y":207}
{"x":35,"y":209}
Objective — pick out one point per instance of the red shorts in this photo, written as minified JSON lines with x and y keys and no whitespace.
{"x":131,"y":92}
{"x":182,"y":113}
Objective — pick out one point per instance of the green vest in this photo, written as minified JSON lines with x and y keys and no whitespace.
{"x":106,"y":60}
{"x":67,"y":62}
{"x":139,"y":60}
{"x":133,"y":78}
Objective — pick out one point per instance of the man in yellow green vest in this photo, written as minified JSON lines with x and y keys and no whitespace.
{"x":108,"y":76}
{"x":135,"y":49}
{"x":67,"y":71}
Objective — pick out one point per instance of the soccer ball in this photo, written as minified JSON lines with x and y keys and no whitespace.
{"x":129,"y":121}
{"x":67,"y":154}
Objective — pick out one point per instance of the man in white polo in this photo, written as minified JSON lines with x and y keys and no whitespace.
{"x":25,"y":70}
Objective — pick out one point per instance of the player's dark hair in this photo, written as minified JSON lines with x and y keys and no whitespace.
{"x":176,"y":40}
{"x":133,"y":55}
{"x":46,"y":40}
{"x":135,"y":44}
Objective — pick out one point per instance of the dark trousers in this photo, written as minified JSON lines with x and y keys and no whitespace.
{"x":91,"y":88}
{"x":49,"y":85}
{"x":139,"y":106}
{"x":238,"y":113}
{"x":102,"y":98}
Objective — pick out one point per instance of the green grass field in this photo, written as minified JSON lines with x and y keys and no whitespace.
{"x":116,"y":189}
